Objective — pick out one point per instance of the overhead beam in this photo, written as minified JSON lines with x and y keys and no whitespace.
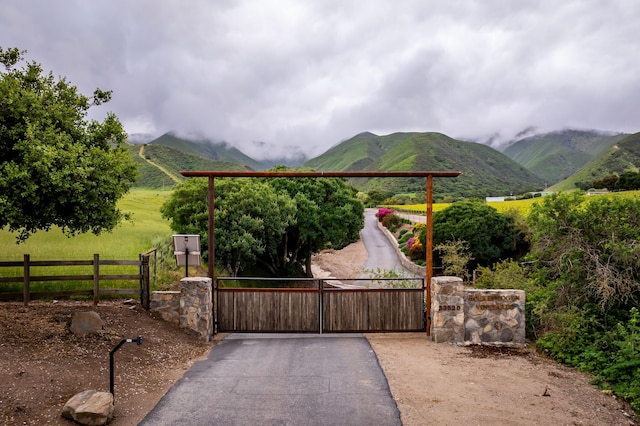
{"x":248,"y":173}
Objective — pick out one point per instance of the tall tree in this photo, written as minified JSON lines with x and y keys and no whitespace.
{"x":328,"y":213}
{"x":490,"y":235}
{"x":277,"y":223}
{"x":56,"y":167}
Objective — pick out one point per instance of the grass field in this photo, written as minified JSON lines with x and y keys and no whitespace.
{"x":126,"y":242}
{"x":522,"y":206}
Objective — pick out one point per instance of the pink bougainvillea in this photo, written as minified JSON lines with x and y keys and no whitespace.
{"x":382,"y":212}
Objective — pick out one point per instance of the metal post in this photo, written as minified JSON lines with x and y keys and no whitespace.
{"x":429,"y":249}
{"x":26,"y":277}
{"x":211,"y":231}
{"x":320,"y":304}
{"x":145,"y":289}
{"x":186,"y":260}
{"x":138,"y":340}
{"x":96,"y":279}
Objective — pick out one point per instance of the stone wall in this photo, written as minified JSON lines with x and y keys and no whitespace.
{"x":190,"y":308}
{"x":494,"y":316}
{"x":473,"y":316}
{"x":408,"y":264}
{"x":167,"y":305}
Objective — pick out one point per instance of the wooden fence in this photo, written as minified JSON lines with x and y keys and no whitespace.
{"x":27,"y":278}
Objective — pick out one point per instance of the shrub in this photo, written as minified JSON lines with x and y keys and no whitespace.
{"x":383,"y":212}
{"x":455,"y":258}
{"x":391,"y":221}
{"x":416,"y":250}
{"x":418,"y":228}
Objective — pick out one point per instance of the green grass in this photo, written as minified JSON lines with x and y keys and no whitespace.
{"x":522,"y":206}
{"x":125,"y":242}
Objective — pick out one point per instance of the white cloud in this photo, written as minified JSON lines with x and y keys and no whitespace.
{"x":274,"y":77}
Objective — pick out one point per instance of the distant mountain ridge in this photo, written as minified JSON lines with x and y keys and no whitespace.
{"x":160,"y":165}
{"x":557,"y":155}
{"x":219,"y":151}
{"x":485,"y":170}
{"x":532,"y":162}
{"x":620,"y":157}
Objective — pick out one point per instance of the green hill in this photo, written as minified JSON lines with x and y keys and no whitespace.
{"x":555,"y":156}
{"x":485,"y":171}
{"x":622,"y":156}
{"x":160,"y":165}
{"x":207,"y":149}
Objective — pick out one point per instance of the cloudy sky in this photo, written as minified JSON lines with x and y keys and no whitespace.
{"x":277,"y":77}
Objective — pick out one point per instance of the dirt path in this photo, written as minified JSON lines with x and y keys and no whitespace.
{"x":158,"y":166}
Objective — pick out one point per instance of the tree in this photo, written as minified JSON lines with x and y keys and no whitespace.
{"x":328,"y":213}
{"x":251,"y":219}
{"x":607,"y":182}
{"x":490,"y":236}
{"x":56,"y":167}
{"x":628,"y":181}
{"x":277,"y":223}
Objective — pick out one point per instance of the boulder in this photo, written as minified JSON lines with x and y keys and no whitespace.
{"x":86,"y":322}
{"x":89,"y":408}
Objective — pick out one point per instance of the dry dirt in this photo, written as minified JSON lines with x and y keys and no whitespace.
{"x":42,"y":364}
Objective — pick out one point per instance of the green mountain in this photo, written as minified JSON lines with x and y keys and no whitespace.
{"x":207,"y":149}
{"x":160,"y":165}
{"x":621,"y":157}
{"x":557,"y":155}
{"x":486,"y":171}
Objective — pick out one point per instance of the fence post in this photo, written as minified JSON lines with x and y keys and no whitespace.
{"x":26,"y":279}
{"x":320,"y":306}
{"x":144,"y":281}
{"x":96,"y":279}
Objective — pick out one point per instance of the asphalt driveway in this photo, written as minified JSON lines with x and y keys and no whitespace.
{"x":276,"y":379}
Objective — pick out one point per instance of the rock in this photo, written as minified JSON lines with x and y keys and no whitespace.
{"x":86,"y":322}
{"x":89,"y":408}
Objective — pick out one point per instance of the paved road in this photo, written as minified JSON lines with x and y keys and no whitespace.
{"x":382,"y":255}
{"x":274,"y":379}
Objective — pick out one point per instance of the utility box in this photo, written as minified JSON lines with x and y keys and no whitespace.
{"x":187,"y":250}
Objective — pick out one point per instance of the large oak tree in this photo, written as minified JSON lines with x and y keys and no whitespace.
{"x":57,"y":168}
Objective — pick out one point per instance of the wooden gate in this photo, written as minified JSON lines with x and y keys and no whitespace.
{"x":319,"y":310}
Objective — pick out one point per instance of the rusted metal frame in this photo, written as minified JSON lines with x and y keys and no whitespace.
{"x":249,"y":173}
{"x":429,"y":213}
{"x":210,"y":238}
{"x":429,"y":252}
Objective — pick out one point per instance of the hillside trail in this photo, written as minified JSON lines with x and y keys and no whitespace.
{"x":158,"y":166}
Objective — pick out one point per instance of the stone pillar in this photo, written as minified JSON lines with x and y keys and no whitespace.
{"x":196,"y":306}
{"x":495,"y":317}
{"x":447,"y":310}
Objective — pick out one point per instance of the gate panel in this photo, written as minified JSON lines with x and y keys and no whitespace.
{"x":268,"y":310}
{"x":373,"y":310}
